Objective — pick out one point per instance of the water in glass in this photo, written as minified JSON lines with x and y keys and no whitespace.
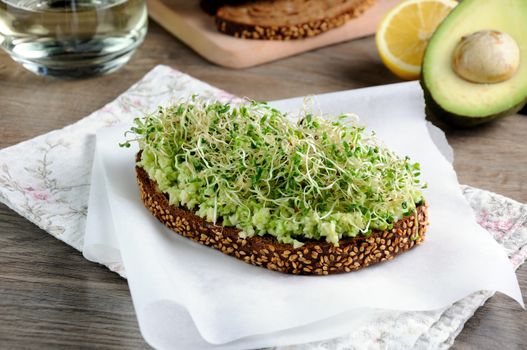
{"x":72,"y":38}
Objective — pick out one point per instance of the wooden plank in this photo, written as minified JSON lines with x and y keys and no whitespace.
{"x":51,"y":298}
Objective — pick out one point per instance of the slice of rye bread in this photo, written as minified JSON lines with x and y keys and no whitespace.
{"x":287,"y":19}
{"x":313,"y":258}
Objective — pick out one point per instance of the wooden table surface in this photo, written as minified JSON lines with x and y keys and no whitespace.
{"x":50,"y":297}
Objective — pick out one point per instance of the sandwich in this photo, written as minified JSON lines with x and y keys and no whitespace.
{"x":282,"y":19}
{"x":314,"y":197}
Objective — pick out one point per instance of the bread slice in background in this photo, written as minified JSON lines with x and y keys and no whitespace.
{"x":283,"y":19}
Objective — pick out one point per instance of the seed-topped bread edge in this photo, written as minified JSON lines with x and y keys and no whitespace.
{"x":288,"y":31}
{"x":312,"y":258}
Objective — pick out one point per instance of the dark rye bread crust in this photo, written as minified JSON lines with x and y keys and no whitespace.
{"x":262,"y":19}
{"x":313,"y":258}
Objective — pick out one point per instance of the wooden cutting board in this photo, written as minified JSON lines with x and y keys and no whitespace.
{"x":185,"y":20}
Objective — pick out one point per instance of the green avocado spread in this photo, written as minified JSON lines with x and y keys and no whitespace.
{"x":248,"y":166}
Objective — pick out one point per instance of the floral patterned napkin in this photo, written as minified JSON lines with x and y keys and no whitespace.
{"x":46,"y":180}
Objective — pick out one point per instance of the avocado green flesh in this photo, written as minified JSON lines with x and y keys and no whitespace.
{"x":456,"y":100}
{"x":435,"y":110}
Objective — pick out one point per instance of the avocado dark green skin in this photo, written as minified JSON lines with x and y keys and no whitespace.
{"x":437,"y":111}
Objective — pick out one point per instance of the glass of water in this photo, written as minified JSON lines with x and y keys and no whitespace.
{"x":72,"y":38}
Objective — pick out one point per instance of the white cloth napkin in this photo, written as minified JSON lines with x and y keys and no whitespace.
{"x":46,"y":179}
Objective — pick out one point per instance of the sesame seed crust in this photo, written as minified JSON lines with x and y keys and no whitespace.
{"x":311,"y":28}
{"x":313,"y":258}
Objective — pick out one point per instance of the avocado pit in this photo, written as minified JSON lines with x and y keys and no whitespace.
{"x":486,"y":57}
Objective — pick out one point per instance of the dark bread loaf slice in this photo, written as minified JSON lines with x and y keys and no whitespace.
{"x":287,"y":19}
{"x":313,"y":258}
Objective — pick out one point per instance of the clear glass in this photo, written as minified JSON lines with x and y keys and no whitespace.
{"x":72,"y":38}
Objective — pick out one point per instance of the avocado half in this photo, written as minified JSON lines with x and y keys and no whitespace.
{"x":461,"y":102}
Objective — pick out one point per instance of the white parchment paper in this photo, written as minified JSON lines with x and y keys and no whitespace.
{"x":187,"y":295}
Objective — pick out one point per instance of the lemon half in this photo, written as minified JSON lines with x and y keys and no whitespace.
{"x":404,"y":32}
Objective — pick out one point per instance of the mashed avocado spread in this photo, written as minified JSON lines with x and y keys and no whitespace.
{"x":248,"y":166}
